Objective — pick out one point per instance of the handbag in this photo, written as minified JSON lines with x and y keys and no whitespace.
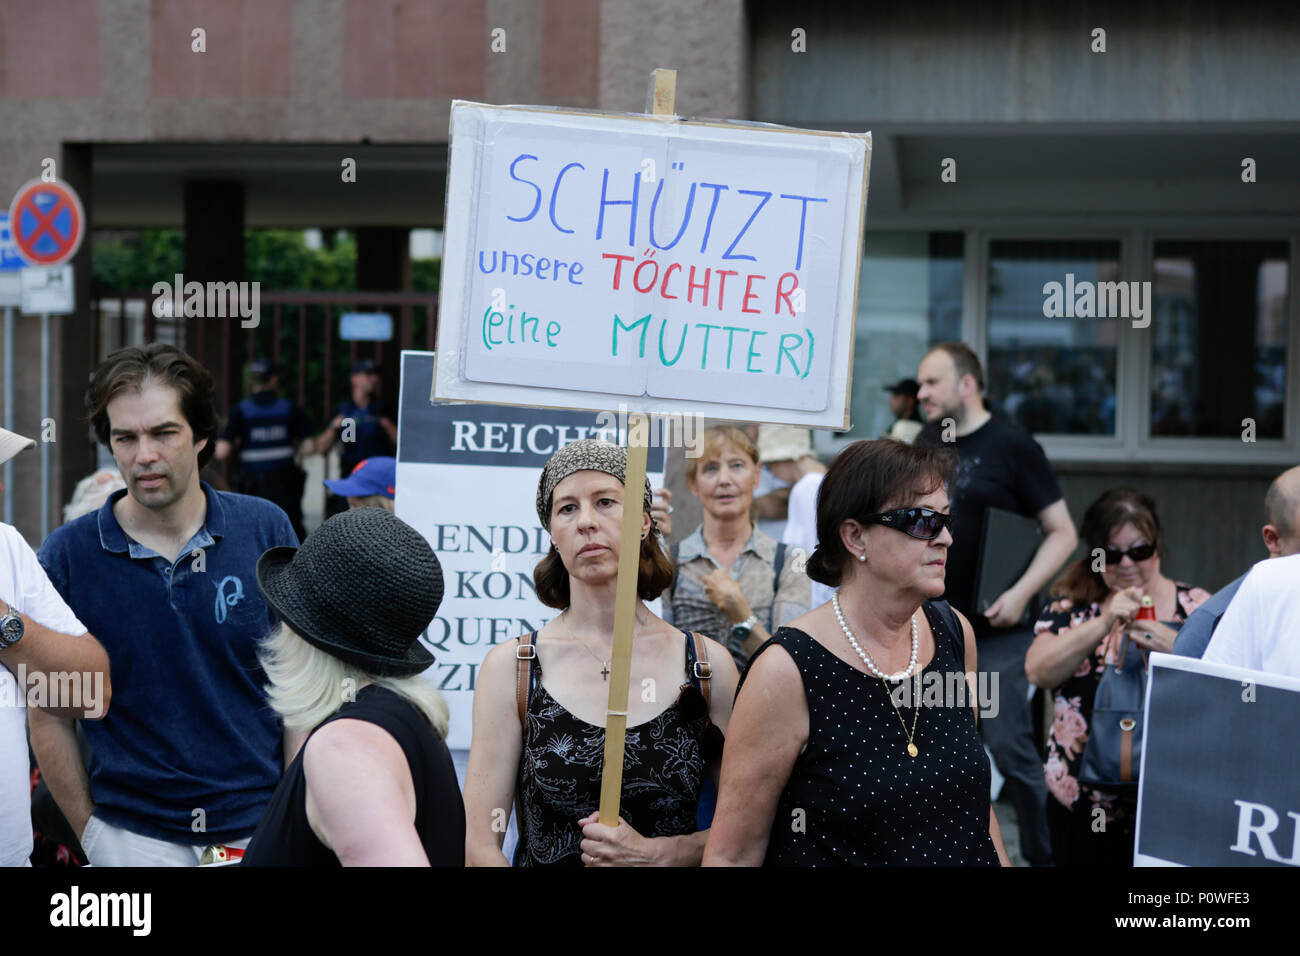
{"x":1113,"y":753}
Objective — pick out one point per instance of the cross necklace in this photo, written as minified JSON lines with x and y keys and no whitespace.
{"x":604,"y":665}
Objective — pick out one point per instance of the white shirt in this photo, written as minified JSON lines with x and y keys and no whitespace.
{"x":905,"y":429}
{"x":768,"y":483}
{"x":1261,"y":628}
{"x":801,"y":526}
{"x":25,"y":588}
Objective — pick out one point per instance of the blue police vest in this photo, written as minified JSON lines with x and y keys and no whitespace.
{"x":265,"y":444}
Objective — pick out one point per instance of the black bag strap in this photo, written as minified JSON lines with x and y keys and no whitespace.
{"x":953,"y":622}
{"x":698,"y":670}
{"x":776,"y":584}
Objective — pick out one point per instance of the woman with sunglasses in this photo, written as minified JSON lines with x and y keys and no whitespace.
{"x":1079,"y":635}
{"x":840,"y":751}
{"x":541,"y":700}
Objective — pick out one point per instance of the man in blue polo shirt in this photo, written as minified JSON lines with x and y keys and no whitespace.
{"x":164,"y":575}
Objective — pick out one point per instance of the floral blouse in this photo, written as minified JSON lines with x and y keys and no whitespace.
{"x":1074,"y":700}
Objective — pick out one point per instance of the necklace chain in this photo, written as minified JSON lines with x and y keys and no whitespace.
{"x":912,"y":750}
{"x":916,"y":715}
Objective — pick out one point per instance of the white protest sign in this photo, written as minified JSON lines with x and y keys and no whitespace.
{"x":596,"y":260}
{"x":467,"y":480}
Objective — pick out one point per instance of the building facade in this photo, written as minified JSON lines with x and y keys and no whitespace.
{"x":1012,"y":148}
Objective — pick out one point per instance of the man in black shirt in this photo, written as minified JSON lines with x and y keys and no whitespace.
{"x":999,"y":466}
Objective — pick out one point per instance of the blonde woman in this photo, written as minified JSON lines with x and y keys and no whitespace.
{"x":373,"y":785}
{"x":733,"y":583}
{"x":372,"y":484}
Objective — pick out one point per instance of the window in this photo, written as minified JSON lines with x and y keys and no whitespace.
{"x":909,"y":297}
{"x":1051,"y":375}
{"x":1219,"y":332}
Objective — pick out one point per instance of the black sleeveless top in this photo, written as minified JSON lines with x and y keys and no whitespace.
{"x":559,"y":774}
{"x":285,"y":838}
{"x":855,"y":797}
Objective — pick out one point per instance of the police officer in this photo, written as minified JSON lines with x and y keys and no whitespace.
{"x":363,"y":424}
{"x":268,"y":428}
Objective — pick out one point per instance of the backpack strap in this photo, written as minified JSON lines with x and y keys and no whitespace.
{"x":525,"y":654}
{"x":698,"y":669}
{"x":778,"y":567}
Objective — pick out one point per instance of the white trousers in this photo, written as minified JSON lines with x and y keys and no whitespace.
{"x":109,"y":845}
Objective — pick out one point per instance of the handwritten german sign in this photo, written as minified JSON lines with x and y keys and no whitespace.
{"x":594,"y":260}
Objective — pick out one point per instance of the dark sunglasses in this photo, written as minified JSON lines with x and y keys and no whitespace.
{"x":1140,"y":553}
{"x":916,"y":522}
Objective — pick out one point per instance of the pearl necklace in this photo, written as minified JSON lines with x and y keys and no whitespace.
{"x":871,"y":665}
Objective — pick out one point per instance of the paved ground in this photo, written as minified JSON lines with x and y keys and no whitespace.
{"x":1010,"y":828}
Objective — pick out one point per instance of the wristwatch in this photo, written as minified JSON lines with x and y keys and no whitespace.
{"x":743,"y":629}
{"x":11,"y":628}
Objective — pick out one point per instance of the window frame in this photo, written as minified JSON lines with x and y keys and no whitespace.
{"x":1087,"y":447}
{"x":1223,"y":450}
{"x":1131,"y":442}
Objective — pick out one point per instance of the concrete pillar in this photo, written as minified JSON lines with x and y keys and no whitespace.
{"x":73,"y":350}
{"x":384,"y":265}
{"x":214,"y":252}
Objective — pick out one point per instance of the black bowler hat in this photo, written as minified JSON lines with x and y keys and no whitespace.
{"x":905,"y":386}
{"x":363,"y":588}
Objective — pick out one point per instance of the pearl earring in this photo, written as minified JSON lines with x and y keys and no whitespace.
{"x":862,"y":556}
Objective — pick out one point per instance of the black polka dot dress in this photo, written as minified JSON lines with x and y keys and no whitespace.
{"x":855,"y":797}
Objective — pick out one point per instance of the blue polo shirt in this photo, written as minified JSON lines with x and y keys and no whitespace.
{"x":189,"y":728}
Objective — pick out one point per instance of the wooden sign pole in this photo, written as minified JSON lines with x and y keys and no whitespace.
{"x":660,"y":102}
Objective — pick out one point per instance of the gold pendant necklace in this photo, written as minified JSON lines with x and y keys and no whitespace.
{"x":912,"y":750}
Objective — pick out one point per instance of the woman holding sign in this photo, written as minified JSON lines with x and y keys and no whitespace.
{"x":834,"y":756}
{"x":540,"y":700}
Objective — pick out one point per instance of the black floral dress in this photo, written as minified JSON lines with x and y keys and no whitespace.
{"x":559,"y":775}
{"x":1079,"y":835}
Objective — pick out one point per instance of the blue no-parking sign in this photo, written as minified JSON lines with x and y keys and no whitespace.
{"x":11,"y":265}
{"x":10,"y":261}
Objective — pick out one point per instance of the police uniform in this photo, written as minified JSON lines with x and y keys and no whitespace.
{"x":268,"y":427}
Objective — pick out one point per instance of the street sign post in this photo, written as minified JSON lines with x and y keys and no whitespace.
{"x":47,"y":222}
{"x":46,"y":225}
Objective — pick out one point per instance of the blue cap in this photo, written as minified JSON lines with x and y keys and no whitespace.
{"x":262,"y":368}
{"x":372,"y":476}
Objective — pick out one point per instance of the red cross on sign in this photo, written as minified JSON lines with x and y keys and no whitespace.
{"x":46,"y":222}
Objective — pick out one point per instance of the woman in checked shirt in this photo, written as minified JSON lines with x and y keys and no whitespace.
{"x":729,"y":585}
